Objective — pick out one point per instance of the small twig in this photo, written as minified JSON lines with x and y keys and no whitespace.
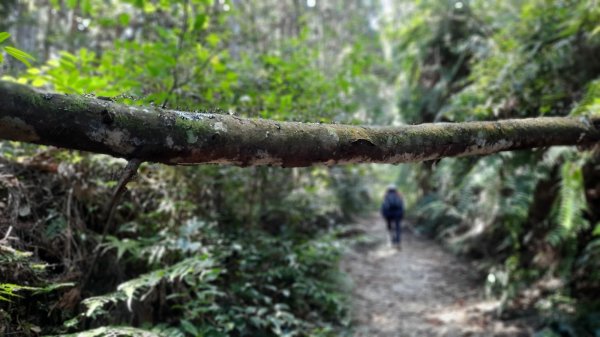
{"x":180,"y":83}
{"x":7,"y":235}
{"x":69,"y":232}
{"x":128,"y":173}
{"x":4,"y":244}
{"x":184,"y":25}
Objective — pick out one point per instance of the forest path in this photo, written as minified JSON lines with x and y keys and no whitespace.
{"x":421,"y":290}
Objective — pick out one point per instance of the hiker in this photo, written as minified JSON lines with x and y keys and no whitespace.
{"x":392,"y":210}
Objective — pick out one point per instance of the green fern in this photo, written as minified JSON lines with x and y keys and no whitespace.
{"x":199,"y":269}
{"x":590,"y":257}
{"x":8,"y":290}
{"x":202,"y":267}
{"x":590,"y":104}
{"x":108,"y":331}
{"x":557,"y":235}
{"x":571,"y":203}
{"x":95,"y":305}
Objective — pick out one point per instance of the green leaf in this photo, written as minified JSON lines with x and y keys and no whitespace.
{"x":4,"y":36}
{"x":199,"y":21}
{"x":19,"y":55}
{"x":86,"y":7}
{"x":213,"y":39}
{"x":55,"y":4}
{"x":189,"y":327}
{"x":8,"y":290}
{"x":597,"y":230}
{"x":73,"y":322}
{"x":51,"y":287}
{"x":124,"y":19}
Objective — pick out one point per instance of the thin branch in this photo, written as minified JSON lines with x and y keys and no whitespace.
{"x":129,"y":172}
{"x":6,"y":237}
{"x":180,"y":41}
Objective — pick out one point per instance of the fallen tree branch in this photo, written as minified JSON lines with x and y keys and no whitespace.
{"x":175,"y":137}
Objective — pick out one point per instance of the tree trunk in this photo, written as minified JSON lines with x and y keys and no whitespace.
{"x":176,"y":137}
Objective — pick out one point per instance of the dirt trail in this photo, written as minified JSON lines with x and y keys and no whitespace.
{"x":421,"y":290}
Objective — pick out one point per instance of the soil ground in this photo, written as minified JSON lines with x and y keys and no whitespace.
{"x":421,"y":290}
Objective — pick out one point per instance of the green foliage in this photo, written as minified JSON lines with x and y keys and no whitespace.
{"x":590,"y":103}
{"x":209,"y":278}
{"x":116,"y":331}
{"x":529,"y":215}
{"x":535,"y":64}
{"x":233,"y":284}
{"x":219,"y":251}
{"x":571,"y":204}
{"x":8,"y":290}
{"x":229,"y":251}
{"x":14,"y":52}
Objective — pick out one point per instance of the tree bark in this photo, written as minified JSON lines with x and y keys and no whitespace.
{"x":177,"y":137}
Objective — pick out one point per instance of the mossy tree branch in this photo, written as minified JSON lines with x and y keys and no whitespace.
{"x":176,"y":137}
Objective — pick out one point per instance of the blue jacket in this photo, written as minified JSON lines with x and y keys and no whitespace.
{"x":393,"y":206}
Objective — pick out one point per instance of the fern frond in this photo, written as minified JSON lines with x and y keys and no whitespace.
{"x":590,"y":104}
{"x":108,"y":331}
{"x":572,"y":201}
{"x":201,"y":267}
{"x":571,"y":204}
{"x":8,"y":290}
{"x":95,"y":305}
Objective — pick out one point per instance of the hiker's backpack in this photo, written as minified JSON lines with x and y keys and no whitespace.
{"x":393,"y":203}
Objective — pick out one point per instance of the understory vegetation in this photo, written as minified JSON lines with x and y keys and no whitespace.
{"x":170,"y":266}
{"x":191,"y":251}
{"x":531,"y":217}
{"x":225,"y":251}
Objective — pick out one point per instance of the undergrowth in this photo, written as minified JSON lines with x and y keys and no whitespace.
{"x":169,"y":268}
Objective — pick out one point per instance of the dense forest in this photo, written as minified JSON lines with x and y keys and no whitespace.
{"x":219,"y":250}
